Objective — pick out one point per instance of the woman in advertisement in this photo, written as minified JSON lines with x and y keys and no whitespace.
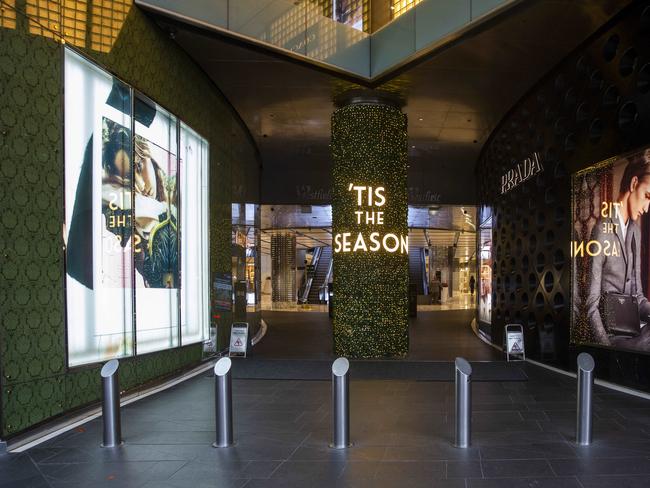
{"x":154,"y":206}
{"x":617,"y":309}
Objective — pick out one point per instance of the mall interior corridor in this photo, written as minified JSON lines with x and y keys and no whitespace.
{"x":433,"y":336}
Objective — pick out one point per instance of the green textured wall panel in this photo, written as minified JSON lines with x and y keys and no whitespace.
{"x":29,"y":403}
{"x":82,"y":388}
{"x":35,"y":383}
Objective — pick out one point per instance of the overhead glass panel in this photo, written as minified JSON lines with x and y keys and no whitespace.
{"x":398,"y":7}
{"x":435,"y":20}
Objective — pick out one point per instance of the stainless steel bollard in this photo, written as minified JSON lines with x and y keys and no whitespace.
{"x":111,"y":404}
{"x":223,"y":402}
{"x":340,"y":404}
{"x":463,"y":403}
{"x":584,"y":421}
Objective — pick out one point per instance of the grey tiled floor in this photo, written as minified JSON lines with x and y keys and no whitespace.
{"x":433,"y":336}
{"x":402,"y":433}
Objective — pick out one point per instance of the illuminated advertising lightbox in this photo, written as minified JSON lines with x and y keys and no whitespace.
{"x":610,"y":251}
{"x":135,"y":218}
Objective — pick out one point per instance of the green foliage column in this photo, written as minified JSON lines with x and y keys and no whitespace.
{"x":369,"y":143}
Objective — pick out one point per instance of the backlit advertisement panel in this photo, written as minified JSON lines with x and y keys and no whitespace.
{"x":129,"y":167}
{"x":610,"y":251}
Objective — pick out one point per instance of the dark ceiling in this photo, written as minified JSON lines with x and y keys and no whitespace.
{"x":454,"y":97}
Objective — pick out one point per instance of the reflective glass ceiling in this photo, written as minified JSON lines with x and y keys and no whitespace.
{"x":335,"y":33}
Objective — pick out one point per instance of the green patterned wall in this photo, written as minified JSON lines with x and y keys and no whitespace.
{"x":370,"y":288}
{"x":35,"y":383}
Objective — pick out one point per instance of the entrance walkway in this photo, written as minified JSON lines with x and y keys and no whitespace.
{"x":460,"y":301}
{"x":402,"y":432}
{"x":434,"y":336}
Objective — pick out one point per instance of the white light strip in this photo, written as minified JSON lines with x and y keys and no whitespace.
{"x":97,"y":412}
{"x":260,"y":333}
{"x":603,"y":383}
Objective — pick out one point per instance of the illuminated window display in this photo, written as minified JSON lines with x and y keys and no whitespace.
{"x":485,"y":265}
{"x":136,"y":202}
{"x":610,"y":251}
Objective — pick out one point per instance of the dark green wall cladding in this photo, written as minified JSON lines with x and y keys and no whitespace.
{"x":370,"y":288}
{"x":35,"y":383}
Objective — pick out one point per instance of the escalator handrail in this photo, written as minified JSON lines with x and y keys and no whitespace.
{"x":314,"y":262}
{"x":326,"y":282}
{"x":423,"y":264}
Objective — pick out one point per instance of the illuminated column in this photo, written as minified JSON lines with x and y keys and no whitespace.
{"x":370,"y":228}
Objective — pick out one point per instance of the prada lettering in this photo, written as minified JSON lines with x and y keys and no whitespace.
{"x":528,"y":168}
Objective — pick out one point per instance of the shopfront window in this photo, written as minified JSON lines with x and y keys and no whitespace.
{"x":136,"y":214}
{"x":485,"y":265}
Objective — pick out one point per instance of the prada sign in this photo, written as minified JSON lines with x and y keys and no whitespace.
{"x":525,"y":170}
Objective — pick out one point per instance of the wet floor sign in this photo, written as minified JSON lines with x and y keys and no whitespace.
{"x":515,"y":342}
{"x":238,"y":339}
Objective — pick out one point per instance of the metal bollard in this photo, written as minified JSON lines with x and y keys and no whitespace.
{"x":463,"y":403}
{"x":584,"y":421}
{"x":340,"y":404}
{"x":111,"y":404}
{"x":223,"y":402}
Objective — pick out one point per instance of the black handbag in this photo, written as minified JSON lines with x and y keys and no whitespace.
{"x":621,"y":314}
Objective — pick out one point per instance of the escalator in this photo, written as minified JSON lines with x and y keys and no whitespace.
{"x":321,"y":273}
{"x":418,"y":270}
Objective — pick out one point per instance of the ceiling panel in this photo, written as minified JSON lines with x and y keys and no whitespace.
{"x":453,"y":98}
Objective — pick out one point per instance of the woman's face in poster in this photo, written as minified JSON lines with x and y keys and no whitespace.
{"x":145,"y":177}
{"x":122,"y":163}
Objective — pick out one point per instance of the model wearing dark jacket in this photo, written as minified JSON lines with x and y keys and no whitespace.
{"x":616,"y":267}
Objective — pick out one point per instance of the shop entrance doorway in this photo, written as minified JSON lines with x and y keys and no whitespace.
{"x":297,"y":272}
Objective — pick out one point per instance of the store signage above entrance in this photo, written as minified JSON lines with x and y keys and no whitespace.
{"x":524,"y":170}
{"x":370,"y":202}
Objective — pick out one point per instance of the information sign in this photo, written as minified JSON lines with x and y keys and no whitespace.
{"x":515,"y":341}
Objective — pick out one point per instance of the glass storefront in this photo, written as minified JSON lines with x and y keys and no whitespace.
{"x":245,"y":257}
{"x":485,"y":265}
